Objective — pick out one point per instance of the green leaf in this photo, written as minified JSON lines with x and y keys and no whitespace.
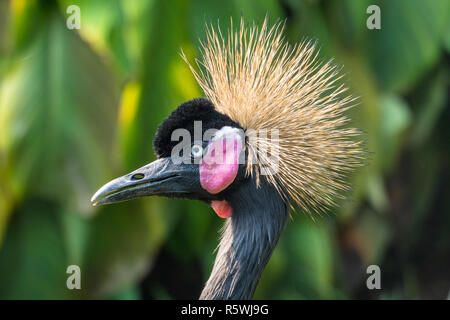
{"x":118,"y":249}
{"x":310,"y":23}
{"x":347,"y":20}
{"x":104,"y":25}
{"x":429,"y":102}
{"x":375,"y":232}
{"x":57,"y":115}
{"x":409,"y":42}
{"x":5,"y":25}
{"x":376,"y":192}
{"x":308,"y":270}
{"x":395,"y":118}
{"x":131,"y":293}
{"x":33,"y":261}
{"x":25,"y":16}
{"x":6,"y":198}
{"x":447,"y":37}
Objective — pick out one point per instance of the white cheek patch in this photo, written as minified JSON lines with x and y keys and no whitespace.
{"x":228,"y":132}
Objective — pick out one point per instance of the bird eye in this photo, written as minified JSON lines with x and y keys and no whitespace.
{"x":197,"y":150}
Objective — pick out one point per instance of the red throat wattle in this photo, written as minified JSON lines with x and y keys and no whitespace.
{"x":222,"y":208}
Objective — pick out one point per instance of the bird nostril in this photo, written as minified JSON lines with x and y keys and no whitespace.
{"x":137,"y":176}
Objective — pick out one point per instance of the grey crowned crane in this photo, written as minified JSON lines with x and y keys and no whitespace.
{"x":270,"y":135}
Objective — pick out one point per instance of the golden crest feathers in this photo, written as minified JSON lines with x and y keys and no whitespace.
{"x":261,"y":82}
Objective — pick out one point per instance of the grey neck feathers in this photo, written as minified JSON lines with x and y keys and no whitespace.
{"x":248,"y":240}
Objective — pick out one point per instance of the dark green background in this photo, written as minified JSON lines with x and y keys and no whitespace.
{"x":78,"y":108}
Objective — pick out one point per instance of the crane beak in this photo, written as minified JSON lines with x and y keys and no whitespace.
{"x":161,"y":177}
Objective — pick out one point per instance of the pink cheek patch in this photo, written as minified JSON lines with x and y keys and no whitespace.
{"x":220,"y":165}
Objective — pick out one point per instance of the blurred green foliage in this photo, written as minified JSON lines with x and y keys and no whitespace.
{"x":80,"y":107}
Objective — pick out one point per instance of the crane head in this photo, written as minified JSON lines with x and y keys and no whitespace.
{"x":201,"y":155}
{"x":255,"y":81}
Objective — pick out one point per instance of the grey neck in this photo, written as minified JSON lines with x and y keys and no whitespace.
{"x":248,"y":240}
